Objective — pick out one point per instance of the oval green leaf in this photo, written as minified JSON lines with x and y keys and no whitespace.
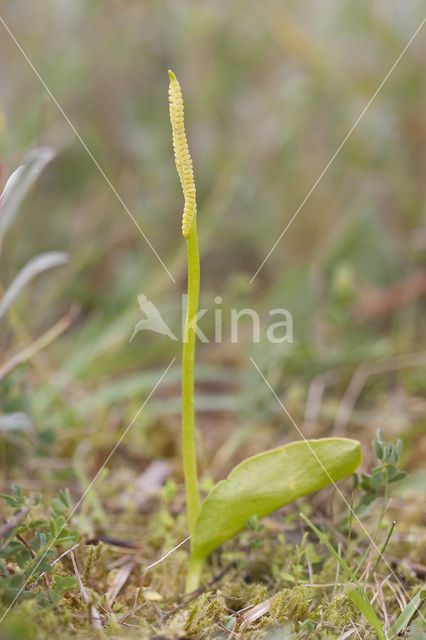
{"x":268,"y":481}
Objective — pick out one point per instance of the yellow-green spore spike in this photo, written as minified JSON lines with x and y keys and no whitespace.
{"x":182,"y":156}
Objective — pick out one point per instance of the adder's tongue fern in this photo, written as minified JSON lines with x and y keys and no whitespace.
{"x":263,"y":483}
{"x":189,"y":230}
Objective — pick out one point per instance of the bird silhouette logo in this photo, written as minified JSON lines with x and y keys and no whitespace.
{"x":153,"y":320}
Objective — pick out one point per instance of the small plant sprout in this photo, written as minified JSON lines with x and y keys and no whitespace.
{"x":384,"y":474}
{"x":265,"y":482}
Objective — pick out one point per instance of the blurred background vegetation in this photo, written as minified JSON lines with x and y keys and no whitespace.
{"x":271,"y":89}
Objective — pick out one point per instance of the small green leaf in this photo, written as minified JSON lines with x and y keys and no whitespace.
{"x":63,"y":583}
{"x":398,"y":447}
{"x":254,"y":524}
{"x":18,"y":491}
{"x":58,"y":506}
{"x":393,"y":475}
{"x":287,"y":576}
{"x":378,"y":448}
{"x":266,"y":482}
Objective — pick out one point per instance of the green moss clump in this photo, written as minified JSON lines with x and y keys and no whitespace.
{"x":256,"y":593}
{"x":290,"y":604}
{"x":340,"y":611}
{"x":208,"y":609}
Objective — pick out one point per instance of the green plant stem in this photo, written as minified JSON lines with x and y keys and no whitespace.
{"x":194,"y":574}
{"x":188,"y":354}
{"x":383,"y":549}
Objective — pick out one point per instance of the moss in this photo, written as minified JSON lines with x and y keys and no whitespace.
{"x":327,"y":634}
{"x":256,"y":593}
{"x":340,"y":611}
{"x":290,"y":604}
{"x":207,"y":610}
{"x":169,"y":577}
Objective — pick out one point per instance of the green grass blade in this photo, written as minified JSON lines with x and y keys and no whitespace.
{"x":407,"y":614}
{"x":332,"y":550}
{"x":33,"y":268}
{"x":361,"y":601}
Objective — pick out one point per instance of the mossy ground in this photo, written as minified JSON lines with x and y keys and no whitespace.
{"x":277,"y":583}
